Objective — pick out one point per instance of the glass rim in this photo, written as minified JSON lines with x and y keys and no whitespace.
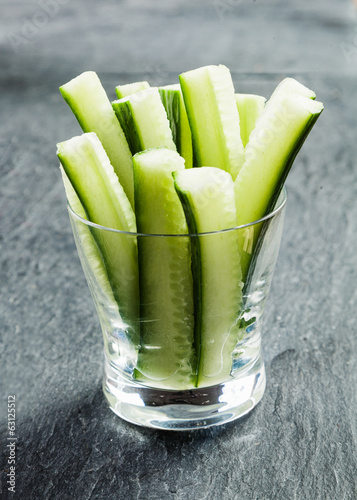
{"x":270,"y":215}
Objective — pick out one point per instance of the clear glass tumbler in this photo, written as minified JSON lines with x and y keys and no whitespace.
{"x":159,"y":403}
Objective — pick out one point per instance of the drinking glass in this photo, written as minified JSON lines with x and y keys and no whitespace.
{"x":159,"y":403}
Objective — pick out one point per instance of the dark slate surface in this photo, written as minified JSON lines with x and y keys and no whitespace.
{"x":300,"y":442}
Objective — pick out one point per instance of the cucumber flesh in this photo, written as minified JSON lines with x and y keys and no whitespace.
{"x":89,"y":102}
{"x":207,"y":196}
{"x":167,"y":357}
{"x":174,"y":105}
{"x":144,"y":121}
{"x":274,"y":143}
{"x":92,"y":176}
{"x":291,"y":86}
{"x":249,"y":106}
{"x":214,"y":120}
{"x":130,"y":88}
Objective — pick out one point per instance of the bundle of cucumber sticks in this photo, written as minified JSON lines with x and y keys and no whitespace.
{"x":135,"y":169}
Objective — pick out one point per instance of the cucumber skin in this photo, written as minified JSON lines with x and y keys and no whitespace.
{"x":186,"y":137}
{"x":124,"y":114}
{"x":196,"y":267}
{"x":174,"y":105}
{"x":289,"y":163}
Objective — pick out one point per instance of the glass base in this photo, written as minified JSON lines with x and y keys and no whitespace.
{"x":185,"y":410}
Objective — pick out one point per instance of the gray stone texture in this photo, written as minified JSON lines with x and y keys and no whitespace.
{"x":300,"y":442}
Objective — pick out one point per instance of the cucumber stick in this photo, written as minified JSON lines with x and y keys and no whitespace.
{"x":166,"y":356}
{"x":273,"y":145}
{"x":214,"y":120}
{"x":88,"y":244}
{"x":130,"y":88}
{"x":144,"y":121}
{"x":90,"y":104}
{"x":174,"y":105}
{"x":249,"y":106}
{"x":92,"y":176}
{"x":207,"y":196}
